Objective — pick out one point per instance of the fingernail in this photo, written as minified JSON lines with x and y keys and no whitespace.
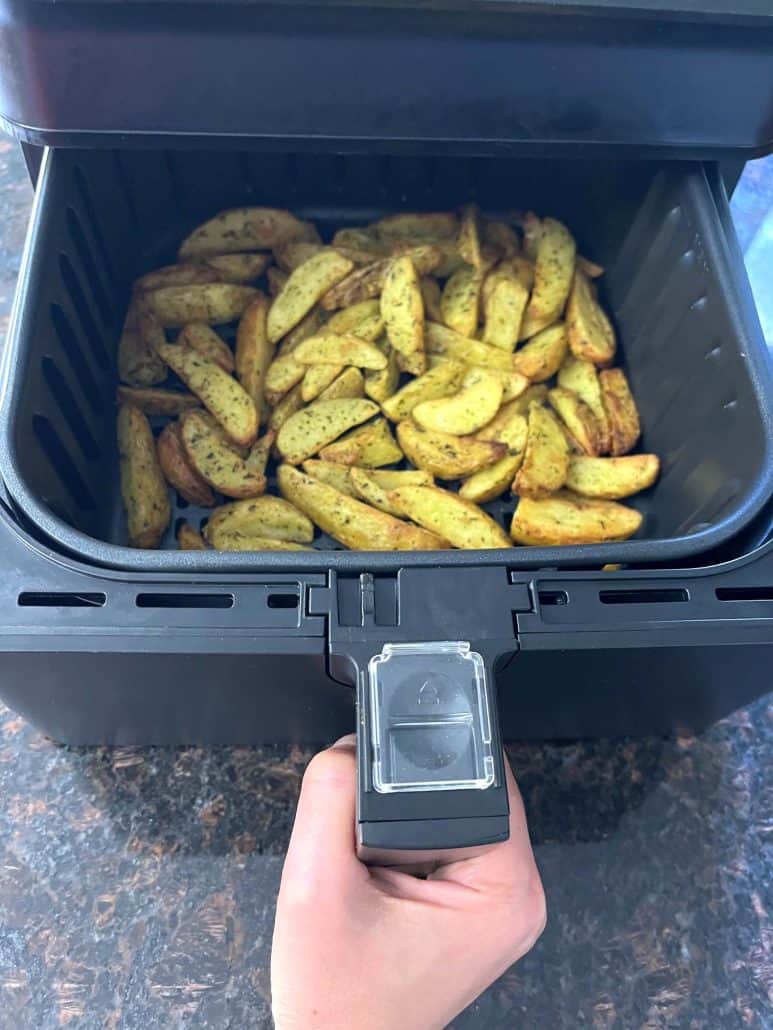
{"x":347,"y":743}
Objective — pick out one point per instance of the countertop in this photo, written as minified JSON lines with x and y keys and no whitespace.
{"x":137,"y":885}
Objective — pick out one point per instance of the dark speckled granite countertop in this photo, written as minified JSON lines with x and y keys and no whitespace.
{"x":137,"y":885}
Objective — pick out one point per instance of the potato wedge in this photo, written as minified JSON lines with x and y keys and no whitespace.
{"x":235,"y":541}
{"x":308,"y":431}
{"x":370,"y":446}
{"x":502,"y":238}
{"x":189,"y":539}
{"x":514,"y":384}
{"x":367,"y":282}
{"x":612,"y":478}
{"x":492,"y":482}
{"x":178,"y":470}
{"x":546,"y":457}
{"x":285,"y":408}
{"x":468,"y":241}
{"x":290,"y":256}
{"x":332,"y":473}
{"x":217,"y":462}
{"x":239,"y":268}
{"x":541,"y":357}
{"x":228,"y":402}
{"x":430,"y":295}
{"x":176,"y":275}
{"x":328,"y":348}
{"x":566,"y":519}
{"x":156,"y":401}
{"x":265,"y":516}
{"x":317,"y":379}
{"x":308,"y":326}
{"x":244,"y":228}
{"x":581,"y":377}
{"x":257,"y":459}
{"x":465,"y":412}
{"x":363,"y":320}
{"x":510,"y":427}
{"x":522,"y":269}
{"x":381,"y":384}
{"x":142,"y":483}
{"x":441,"y":381}
{"x":589,"y":268}
{"x":439,"y":339}
{"x":364,"y":240}
{"x":588,"y":329}
{"x":212,"y":303}
{"x":623,"y":415}
{"x":276,"y":280}
{"x":402,"y":309}
{"x":446,"y":456}
{"x":503,"y":309}
{"x":351,"y":522}
{"x":138,"y":363}
{"x":460,"y":301}
{"x":463,"y":524}
{"x":531,"y":227}
{"x":391,"y":479}
{"x":519,"y":406}
{"x":206,"y":341}
{"x":254,"y":352}
{"x":438,"y":225}
{"x":578,"y":419}
{"x":368,"y":490}
{"x":553,"y":271}
{"x":281,"y":376}
{"x":349,"y":384}
{"x":305,"y":286}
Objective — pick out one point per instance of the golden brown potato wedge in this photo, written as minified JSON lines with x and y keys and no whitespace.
{"x":402,"y":309}
{"x":546,"y":457}
{"x":566,"y":519}
{"x":468,"y":240}
{"x":285,"y":408}
{"x":348,"y":384}
{"x":553,"y":271}
{"x":446,"y":456}
{"x":244,"y":228}
{"x":305,"y":286}
{"x":439,"y":339}
{"x":189,"y":539}
{"x":588,"y":329}
{"x":205,"y":340}
{"x":510,"y":426}
{"x":178,"y":470}
{"x":490,"y":483}
{"x":257,"y":459}
{"x":589,"y":268}
{"x":382,"y":383}
{"x":290,"y":256}
{"x":308,"y":326}
{"x":217,"y":462}
{"x":369,"y":446}
{"x":577,"y":418}
{"x":531,"y":227}
{"x":212,"y":303}
{"x":391,"y":479}
{"x":332,"y":473}
{"x":623,"y":415}
{"x":351,"y":522}
{"x":265,"y":516}
{"x":276,"y":280}
{"x":437,"y":225}
{"x":309,"y":430}
{"x":503,"y":308}
{"x":368,"y":490}
{"x":238,"y":268}
{"x":328,"y":348}
{"x":176,"y":275}
{"x":254,"y":352}
{"x":157,"y":401}
{"x":363,"y":320}
{"x":317,"y":379}
{"x":281,"y":376}
{"x":541,"y":357}
{"x":502,"y":238}
{"x":138,"y":362}
{"x":581,"y":377}
{"x":364,"y":240}
{"x":460,"y":301}
{"x":220,"y":394}
{"x":367,"y":282}
{"x":441,"y":381}
{"x":142,"y":483}
{"x":465,"y":412}
{"x":520,"y":406}
{"x":430,"y":295}
{"x":612,"y":478}
{"x":232,"y":540}
{"x":461,"y":523}
{"x":514,"y":384}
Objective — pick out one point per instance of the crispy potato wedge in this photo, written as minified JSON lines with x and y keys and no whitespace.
{"x":254,"y":352}
{"x":468,"y":240}
{"x":510,"y":427}
{"x":402,"y":309}
{"x":502,"y":238}
{"x":308,"y":431}
{"x":531,"y":227}
{"x":244,"y":228}
{"x":176,"y":275}
{"x":391,"y":479}
{"x":581,"y":377}
{"x":465,"y":412}
{"x":503,"y":309}
{"x":578,"y":419}
{"x":308,"y":326}
{"x":156,"y":401}
{"x":522,"y":269}
{"x":623,"y":415}
{"x":460,"y":301}
{"x":235,"y":541}
{"x":541,"y":357}
{"x":212,"y":303}
{"x":568,"y":519}
{"x":370,"y":446}
{"x":367,"y":282}
{"x":492,"y":482}
{"x":238,"y":268}
{"x":589,"y":268}
{"x":276,"y":280}
{"x":205,"y":340}
{"x":290,"y":256}
{"x":332,"y":473}
{"x":265,"y":516}
{"x":142,"y":483}
{"x":305,"y":286}
{"x":348,"y":384}
{"x":285,"y":408}
{"x":217,"y":463}
{"x":381,"y":384}
{"x":439,"y":339}
{"x":430,"y":295}
{"x":536,"y":394}
{"x":362,"y":319}
{"x":317,"y":379}
{"x":553,"y":271}
{"x":365,"y":240}
{"x":368,"y":490}
{"x":588,"y":329}
{"x":461,"y":523}
{"x":221,"y":395}
{"x":178,"y":470}
{"x":446,"y":456}
{"x":281,"y":376}
{"x":328,"y":348}
{"x":546,"y":457}
{"x":138,"y":362}
{"x":438,"y":225}
{"x":612,"y":478}
{"x":189,"y":539}
{"x":351,"y":522}
{"x":257,"y":459}
{"x":513,"y":383}
{"x":441,"y":381}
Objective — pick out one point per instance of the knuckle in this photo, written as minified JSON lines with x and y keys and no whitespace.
{"x":334,"y":766}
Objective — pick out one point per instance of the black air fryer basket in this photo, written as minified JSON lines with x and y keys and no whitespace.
{"x":607,"y":115}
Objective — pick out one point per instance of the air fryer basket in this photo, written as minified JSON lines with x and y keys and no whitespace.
{"x":690,"y":341}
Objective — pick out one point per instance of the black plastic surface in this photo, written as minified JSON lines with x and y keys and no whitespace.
{"x":690,"y":339}
{"x":675,"y":78}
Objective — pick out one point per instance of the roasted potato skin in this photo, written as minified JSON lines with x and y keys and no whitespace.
{"x":142,"y":482}
{"x":569,"y":520}
{"x":178,"y":470}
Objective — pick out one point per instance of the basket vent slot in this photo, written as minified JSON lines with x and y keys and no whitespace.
{"x":89,"y":265}
{"x":62,"y":463}
{"x":37,"y":599}
{"x":744,"y":593}
{"x":654,"y":596}
{"x":184,"y":600}
{"x":553,"y":597}
{"x":83,"y":310}
{"x":84,"y":192}
{"x":78,"y":363}
{"x":283,"y":600}
{"x":69,"y":407}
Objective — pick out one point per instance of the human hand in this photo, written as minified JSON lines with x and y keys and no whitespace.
{"x":368,"y":948}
